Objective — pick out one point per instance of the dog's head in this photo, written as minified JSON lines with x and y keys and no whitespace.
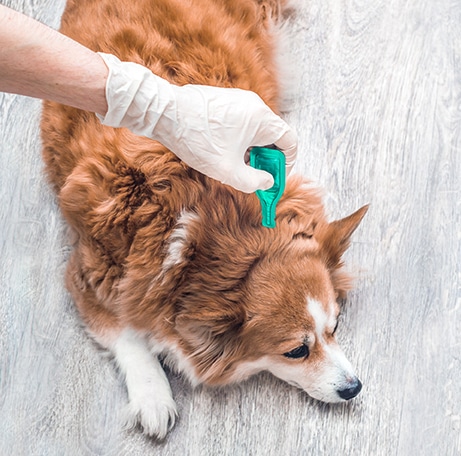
{"x":269,"y":302}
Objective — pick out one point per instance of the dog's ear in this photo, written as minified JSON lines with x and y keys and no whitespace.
{"x":211,"y":334}
{"x":334,"y":240}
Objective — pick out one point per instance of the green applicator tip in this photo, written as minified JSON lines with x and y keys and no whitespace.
{"x":271,"y":160}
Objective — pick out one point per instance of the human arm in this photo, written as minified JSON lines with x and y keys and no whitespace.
{"x":40,"y":62}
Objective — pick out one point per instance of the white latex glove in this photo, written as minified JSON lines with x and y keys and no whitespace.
{"x":209,"y":128}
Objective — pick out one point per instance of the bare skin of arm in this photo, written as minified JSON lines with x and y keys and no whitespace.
{"x":40,"y":62}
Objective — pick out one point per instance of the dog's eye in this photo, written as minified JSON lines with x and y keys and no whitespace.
{"x":301,"y":352}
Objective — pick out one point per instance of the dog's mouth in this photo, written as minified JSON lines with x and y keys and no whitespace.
{"x":295,"y":384}
{"x":348,"y":391}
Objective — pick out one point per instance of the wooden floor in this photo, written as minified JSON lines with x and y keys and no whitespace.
{"x":378,"y":111}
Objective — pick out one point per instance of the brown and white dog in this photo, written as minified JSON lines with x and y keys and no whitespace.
{"x":169,"y":263}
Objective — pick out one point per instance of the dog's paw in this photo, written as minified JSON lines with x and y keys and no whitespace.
{"x":156,"y":414}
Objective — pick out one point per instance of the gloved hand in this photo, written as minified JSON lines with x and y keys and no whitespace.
{"x":209,"y":128}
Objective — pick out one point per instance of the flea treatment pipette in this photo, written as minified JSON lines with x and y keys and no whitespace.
{"x":271,"y":160}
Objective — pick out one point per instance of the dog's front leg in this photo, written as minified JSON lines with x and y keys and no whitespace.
{"x":150,"y":398}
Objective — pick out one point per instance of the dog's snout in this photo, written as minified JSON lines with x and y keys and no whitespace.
{"x":353,"y":388}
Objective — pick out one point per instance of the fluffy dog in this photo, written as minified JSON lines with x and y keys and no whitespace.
{"x":169,"y":263}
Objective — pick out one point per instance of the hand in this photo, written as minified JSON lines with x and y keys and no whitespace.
{"x":209,"y":128}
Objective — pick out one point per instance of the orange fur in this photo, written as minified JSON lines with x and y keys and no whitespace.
{"x":239,"y":291}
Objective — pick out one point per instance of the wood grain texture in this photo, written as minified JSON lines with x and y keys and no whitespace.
{"x":377,"y":107}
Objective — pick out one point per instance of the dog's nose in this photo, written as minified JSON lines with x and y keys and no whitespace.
{"x":351,"y":390}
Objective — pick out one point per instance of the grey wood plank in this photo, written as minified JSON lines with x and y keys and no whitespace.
{"x":377,"y":108}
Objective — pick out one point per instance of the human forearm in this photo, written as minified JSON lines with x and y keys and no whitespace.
{"x":37,"y":61}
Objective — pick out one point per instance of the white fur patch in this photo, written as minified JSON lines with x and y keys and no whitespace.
{"x":176,"y":246}
{"x":150,"y":399}
{"x":338,"y":358}
{"x":178,"y":240}
{"x":319,"y":315}
{"x":323,"y":320}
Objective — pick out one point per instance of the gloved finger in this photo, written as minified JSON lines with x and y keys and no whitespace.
{"x":288,"y":144}
{"x":274,"y":130}
{"x":248,"y":179}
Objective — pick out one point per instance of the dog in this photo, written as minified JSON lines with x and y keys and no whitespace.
{"x":170,"y":266}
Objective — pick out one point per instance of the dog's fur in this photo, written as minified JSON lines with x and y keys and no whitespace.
{"x":170,"y":263}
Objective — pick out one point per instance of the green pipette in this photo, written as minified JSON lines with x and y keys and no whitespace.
{"x":271,"y":160}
